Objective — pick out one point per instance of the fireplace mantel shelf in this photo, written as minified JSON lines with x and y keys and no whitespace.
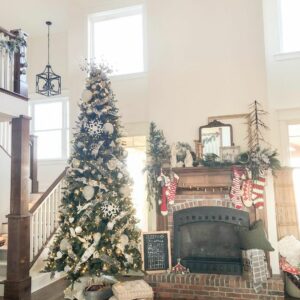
{"x":204,"y":179}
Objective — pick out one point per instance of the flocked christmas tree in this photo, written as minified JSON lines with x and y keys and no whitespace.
{"x":98,"y":233}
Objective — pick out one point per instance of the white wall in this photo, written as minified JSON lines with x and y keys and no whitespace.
{"x":205,"y":58}
{"x":4,"y":186}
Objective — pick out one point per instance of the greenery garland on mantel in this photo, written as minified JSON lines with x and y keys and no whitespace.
{"x":258,"y":159}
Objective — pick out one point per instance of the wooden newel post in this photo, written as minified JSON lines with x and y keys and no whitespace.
{"x":18,"y":282}
{"x":33,"y":164}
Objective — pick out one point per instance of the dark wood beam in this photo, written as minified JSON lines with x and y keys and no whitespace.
{"x":18,"y":281}
{"x":33,"y":165}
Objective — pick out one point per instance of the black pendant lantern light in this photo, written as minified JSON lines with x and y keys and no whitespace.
{"x":48,"y":83}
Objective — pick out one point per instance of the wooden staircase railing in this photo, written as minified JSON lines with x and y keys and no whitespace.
{"x":13,"y":65}
{"x":44,"y":217}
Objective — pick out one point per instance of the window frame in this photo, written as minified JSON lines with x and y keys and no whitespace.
{"x":64,"y":129}
{"x":114,"y":14}
{"x":283,"y":55}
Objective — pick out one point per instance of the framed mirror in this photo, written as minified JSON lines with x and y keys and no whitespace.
{"x":240,"y":128}
{"x":215,"y":135}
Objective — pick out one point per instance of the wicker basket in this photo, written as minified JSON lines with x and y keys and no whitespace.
{"x":103,"y":294}
{"x":291,"y":288}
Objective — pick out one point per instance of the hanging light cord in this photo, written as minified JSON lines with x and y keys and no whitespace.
{"x":49,"y":24}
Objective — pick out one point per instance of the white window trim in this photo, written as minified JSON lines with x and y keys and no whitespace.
{"x":117,"y":13}
{"x":283,"y":55}
{"x":286,"y":117}
{"x":65,"y":126}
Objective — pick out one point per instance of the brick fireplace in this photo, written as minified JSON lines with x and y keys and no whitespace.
{"x":201,"y":205}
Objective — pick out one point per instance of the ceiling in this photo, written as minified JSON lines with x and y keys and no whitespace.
{"x":31,"y":15}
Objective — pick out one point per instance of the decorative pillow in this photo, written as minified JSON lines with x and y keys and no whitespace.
{"x":254,"y":238}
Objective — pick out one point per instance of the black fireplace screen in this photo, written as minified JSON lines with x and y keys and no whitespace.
{"x":205,"y":239}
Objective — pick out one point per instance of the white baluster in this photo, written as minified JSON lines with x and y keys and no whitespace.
{"x":49,"y":215}
{"x":31,"y":237}
{"x":1,"y":64}
{"x":36,"y":232}
{"x":44,"y":220}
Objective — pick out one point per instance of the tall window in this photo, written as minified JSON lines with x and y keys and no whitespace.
{"x":290,"y":25}
{"x":51,"y":125}
{"x":136,"y":159}
{"x":294,"y":144}
{"x":294,"y":150}
{"x":116,"y":37}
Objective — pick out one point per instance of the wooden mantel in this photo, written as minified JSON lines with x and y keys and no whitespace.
{"x":204,"y":180}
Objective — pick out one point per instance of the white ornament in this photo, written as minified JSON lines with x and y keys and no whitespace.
{"x":93,"y":182}
{"x":58,"y":255}
{"x":110,"y":225}
{"x":80,"y":144}
{"x":64,"y":245}
{"x":71,"y":219}
{"x":112,"y":164}
{"x":108,"y":127}
{"x":120,"y":175}
{"x":75,"y":163}
{"x":129,"y":258}
{"x":78,"y":230}
{"x":96,"y":237}
{"x":125,"y":190}
{"x":109,"y":210}
{"x":88,"y":192}
{"x":67,"y":268}
{"x":188,"y":161}
{"x":96,"y":254}
{"x":124,"y":240}
{"x":72,"y":232}
{"x":86,"y":96}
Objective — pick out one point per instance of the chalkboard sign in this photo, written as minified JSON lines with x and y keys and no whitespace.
{"x":156,"y":251}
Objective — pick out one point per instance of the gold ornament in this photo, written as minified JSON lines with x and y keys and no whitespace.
{"x":118,"y":251}
{"x":105,"y":268}
{"x":76,"y":192}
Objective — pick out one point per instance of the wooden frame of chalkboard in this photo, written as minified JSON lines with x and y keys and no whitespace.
{"x":156,"y":251}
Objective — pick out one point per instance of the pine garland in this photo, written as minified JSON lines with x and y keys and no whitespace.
{"x":158,"y":153}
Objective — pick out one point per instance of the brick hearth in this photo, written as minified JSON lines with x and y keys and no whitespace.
{"x":202,"y":187}
{"x":210,"y":286}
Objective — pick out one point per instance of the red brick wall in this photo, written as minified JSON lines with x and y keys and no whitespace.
{"x":209,"y":286}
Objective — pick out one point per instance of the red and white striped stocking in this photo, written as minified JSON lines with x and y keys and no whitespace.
{"x":247,"y":192}
{"x":235,"y":192}
{"x":258,"y":192}
{"x":163,"y":205}
{"x":171,"y":192}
